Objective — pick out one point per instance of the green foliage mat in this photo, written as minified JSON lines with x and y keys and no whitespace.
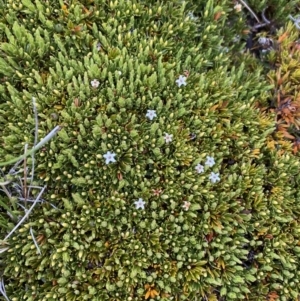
{"x":160,"y":184}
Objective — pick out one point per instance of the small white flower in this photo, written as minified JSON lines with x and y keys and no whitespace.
{"x":109,"y":157}
{"x":236,"y":38}
{"x":225,"y":49}
{"x":120,"y":73}
{"x":151,"y":114}
{"x":262,"y":40}
{"x":181,"y":81}
{"x":238,"y":7}
{"x":186,"y":205}
{"x":214,"y":177}
{"x":210,"y":161}
{"x":266,"y":42}
{"x":296,"y":20}
{"x":192,"y":16}
{"x":98,"y":46}
{"x":168,"y":137}
{"x":199,"y":168}
{"x":95,"y":83}
{"x":139,"y":204}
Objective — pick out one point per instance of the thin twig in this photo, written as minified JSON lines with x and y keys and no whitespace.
{"x":296,"y":21}
{"x":2,"y":290}
{"x":35,"y":243}
{"x":29,"y":200}
{"x":260,"y":25}
{"x":8,"y":194}
{"x":263,"y":16}
{"x":22,"y":206}
{"x":26,"y":214}
{"x":5,"y":190}
{"x":25,"y":193}
{"x":6,"y":182}
{"x":250,"y":10}
{"x":53,"y":206}
{"x":3,"y":250}
{"x":13,"y":171}
{"x":35,"y":136}
{"x":34,"y":149}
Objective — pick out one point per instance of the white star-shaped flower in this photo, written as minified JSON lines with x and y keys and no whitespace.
{"x":225,"y":49}
{"x":139,"y":204}
{"x":262,"y":40}
{"x":151,"y":114}
{"x":192,"y":16}
{"x":238,"y":7}
{"x":168,"y":137}
{"x":236,"y":38}
{"x":186,"y":205}
{"x":296,"y":20}
{"x":199,"y":168}
{"x":95,"y":83}
{"x":109,"y":157}
{"x":214,"y":177}
{"x":181,"y":81}
{"x":210,"y":161}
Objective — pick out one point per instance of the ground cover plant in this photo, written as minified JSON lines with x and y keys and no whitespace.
{"x":163,"y":182}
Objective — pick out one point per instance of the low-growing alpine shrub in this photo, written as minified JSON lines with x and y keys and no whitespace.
{"x":160,"y":183}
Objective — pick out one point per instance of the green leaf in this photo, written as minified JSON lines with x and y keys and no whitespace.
{"x":5,"y":68}
{"x":29,"y":5}
{"x":134,"y":133}
{"x":160,"y":284}
{"x":67,"y":204}
{"x":157,"y":152}
{"x":223,"y":291}
{"x":232,"y":295}
{"x":195,"y":207}
{"x":267,"y":268}
{"x":154,"y":127}
{"x":60,"y":44}
{"x":250,"y":277}
{"x":65,"y":256}
{"x":213,"y":281}
{"x":17,"y":31}
{"x":62,"y":280}
{"x":108,"y":267}
{"x":238,"y":279}
{"x":78,"y":199}
{"x":133,"y":272}
{"x":79,"y":181}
